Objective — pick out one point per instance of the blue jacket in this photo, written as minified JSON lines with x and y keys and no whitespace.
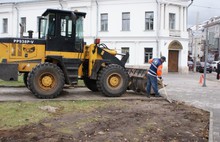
{"x":156,"y":67}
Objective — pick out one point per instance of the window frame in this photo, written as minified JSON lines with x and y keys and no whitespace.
{"x":38,"y":23}
{"x":172,"y":21}
{"x":126,"y":21}
{"x":124,"y":50}
{"x":104,"y":22}
{"x":148,"y":52}
{"x":149,"y":21}
{"x":24,"y":23}
{"x":5,"y":25}
{"x":66,"y":26}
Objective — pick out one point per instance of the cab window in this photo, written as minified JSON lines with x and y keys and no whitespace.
{"x":66,"y":26}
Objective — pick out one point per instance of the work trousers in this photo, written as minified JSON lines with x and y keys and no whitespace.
{"x":152,"y":81}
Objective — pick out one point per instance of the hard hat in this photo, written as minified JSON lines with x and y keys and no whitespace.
{"x":163,"y":58}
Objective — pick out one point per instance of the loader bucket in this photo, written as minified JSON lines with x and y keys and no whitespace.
{"x":138,"y":81}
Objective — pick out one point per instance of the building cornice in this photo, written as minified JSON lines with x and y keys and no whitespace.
{"x":184,"y":3}
{"x":139,"y":38}
{"x":212,"y":24}
{"x":28,"y":2}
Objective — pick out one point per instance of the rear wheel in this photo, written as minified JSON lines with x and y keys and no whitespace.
{"x":46,"y":81}
{"x":113,"y":80}
{"x":91,"y":84}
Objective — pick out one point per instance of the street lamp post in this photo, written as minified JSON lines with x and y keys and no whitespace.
{"x":206,"y":57}
{"x":218,"y":41}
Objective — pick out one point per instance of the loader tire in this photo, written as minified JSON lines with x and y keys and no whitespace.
{"x":90,"y":84}
{"x":112,"y":80}
{"x":46,"y":81}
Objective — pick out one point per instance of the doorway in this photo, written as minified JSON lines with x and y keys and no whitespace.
{"x":173,"y":61}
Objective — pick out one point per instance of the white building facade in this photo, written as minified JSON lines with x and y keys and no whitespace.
{"x":144,"y":28}
{"x":198,"y":35}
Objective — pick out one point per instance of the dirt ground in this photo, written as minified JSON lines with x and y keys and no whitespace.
{"x":132,"y":120}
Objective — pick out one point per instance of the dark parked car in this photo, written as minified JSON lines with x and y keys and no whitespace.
{"x":200,"y":67}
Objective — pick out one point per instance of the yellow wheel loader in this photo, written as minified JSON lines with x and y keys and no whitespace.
{"x":59,"y":56}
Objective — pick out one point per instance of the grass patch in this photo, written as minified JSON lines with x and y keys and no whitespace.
{"x":13,"y":83}
{"x":15,"y":114}
{"x":80,"y":83}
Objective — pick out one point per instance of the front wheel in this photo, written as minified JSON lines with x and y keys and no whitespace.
{"x":113,"y":80}
{"x":46,"y":81}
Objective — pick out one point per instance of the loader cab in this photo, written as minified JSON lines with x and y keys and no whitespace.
{"x":62,"y":30}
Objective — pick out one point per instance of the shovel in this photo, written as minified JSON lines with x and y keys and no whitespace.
{"x":165,"y":92}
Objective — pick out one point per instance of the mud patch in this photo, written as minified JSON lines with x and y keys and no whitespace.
{"x":134,"y":120}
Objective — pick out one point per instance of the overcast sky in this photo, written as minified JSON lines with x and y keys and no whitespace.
{"x":206,"y":10}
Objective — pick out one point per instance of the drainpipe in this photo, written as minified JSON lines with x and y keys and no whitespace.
{"x":187,"y":10}
{"x":97,"y":19}
{"x":15,"y":4}
{"x":190,"y":3}
{"x":60,"y":2}
{"x":157,"y":33}
{"x":194,"y":69}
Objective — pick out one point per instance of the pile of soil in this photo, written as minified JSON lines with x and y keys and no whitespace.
{"x":132,"y":120}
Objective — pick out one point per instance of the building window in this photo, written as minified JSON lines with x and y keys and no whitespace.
{"x":149,"y":20}
{"x":104,"y":22}
{"x":23,"y":23}
{"x":126,"y":21}
{"x":5,"y":25}
{"x":148,"y":54}
{"x":38,"y":22}
{"x":172,"y":20}
{"x":125,"y":50}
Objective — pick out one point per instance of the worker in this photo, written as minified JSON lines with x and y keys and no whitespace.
{"x":218,"y":70}
{"x":154,"y":72}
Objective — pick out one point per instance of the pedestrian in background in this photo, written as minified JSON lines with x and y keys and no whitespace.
{"x":218,"y":70}
{"x":154,"y":72}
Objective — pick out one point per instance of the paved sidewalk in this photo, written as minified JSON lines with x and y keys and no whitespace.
{"x":186,"y":88}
